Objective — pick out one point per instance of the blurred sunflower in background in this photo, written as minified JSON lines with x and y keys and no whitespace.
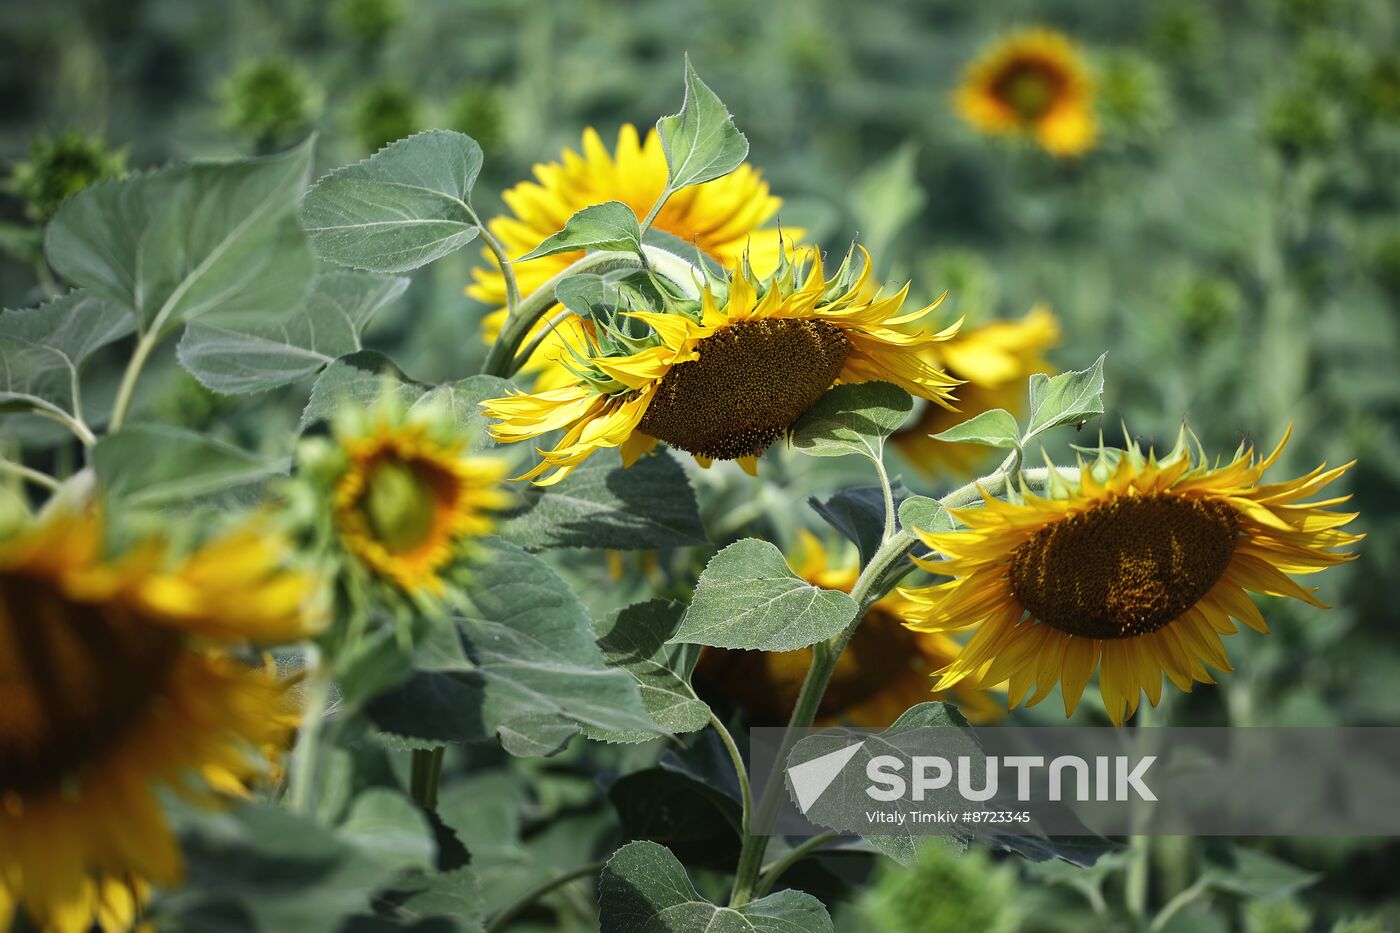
{"x":1033,"y":82}
{"x":993,"y":360}
{"x":883,"y":672}
{"x":1136,"y":568}
{"x":119,"y":678}
{"x":722,"y":382}
{"x":405,"y":493}
{"x":724,"y":218}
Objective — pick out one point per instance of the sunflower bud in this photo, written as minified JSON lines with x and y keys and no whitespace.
{"x":270,"y":102}
{"x":59,"y":167}
{"x":384,"y":113}
{"x":943,"y":892}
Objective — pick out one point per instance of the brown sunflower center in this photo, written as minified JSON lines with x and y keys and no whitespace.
{"x":75,"y":678}
{"x":750,"y":383}
{"x":1029,"y":88}
{"x":1126,"y":567}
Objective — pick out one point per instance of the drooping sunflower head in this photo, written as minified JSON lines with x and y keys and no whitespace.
{"x":1032,"y":82}
{"x":722,"y":378}
{"x":119,"y":677}
{"x":406,"y":493}
{"x":993,"y":360}
{"x":883,"y":672}
{"x":726,"y":219}
{"x":1135,"y":567}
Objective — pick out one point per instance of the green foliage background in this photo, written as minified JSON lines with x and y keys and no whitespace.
{"x":1234,"y":243}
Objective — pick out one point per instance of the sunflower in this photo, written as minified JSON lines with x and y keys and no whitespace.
{"x":119,"y":678}
{"x":406,"y":492}
{"x":1135,"y":567}
{"x":724,"y":218}
{"x":883,"y":671}
{"x":1032,"y":82}
{"x":993,"y":360}
{"x":722,"y":382}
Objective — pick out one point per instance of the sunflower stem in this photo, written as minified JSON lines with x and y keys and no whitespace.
{"x":888,"y":492}
{"x":656,"y":207}
{"x":28,"y":473}
{"x":425,"y":773}
{"x":739,"y":768}
{"x":774,"y":870}
{"x":499,"y":251}
{"x":867,"y":589}
{"x":502,"y":360}
{"x":306,"y":752}
{"x":503,"y":919}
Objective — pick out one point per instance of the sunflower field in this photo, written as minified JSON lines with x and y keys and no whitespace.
{"x":434,"y":433}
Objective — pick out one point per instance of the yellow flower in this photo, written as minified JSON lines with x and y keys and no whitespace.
{"x":883,"y":671}
{"x":725,"y":218}
{"x":727,"y":381}
{"x":994,"y":360}
{"x":1032,"y":82}
{"x":117,"y":679}
{"x":408,"y":494}
{"x":1136,"y":569}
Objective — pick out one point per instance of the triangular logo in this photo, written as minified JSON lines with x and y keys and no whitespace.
{"x":811,"y":778}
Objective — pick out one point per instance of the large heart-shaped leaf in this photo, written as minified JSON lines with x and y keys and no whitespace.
{"x":253,"y":353}
{"x":43,"y":349}
{"x":636,"y":640}
{"x":602,"y":505}
{"x":520,"y":663}
{"x":644,"y":889}
{"x":748,"y":597}
{"x":180,"y":242}
{"x":852,"y":419}
{"x":701,"y":142}
{"x":400,"y":209}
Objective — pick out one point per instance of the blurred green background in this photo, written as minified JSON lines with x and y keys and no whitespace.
{"x":1233,"y":241}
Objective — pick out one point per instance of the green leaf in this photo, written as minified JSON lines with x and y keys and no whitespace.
{"x":278,"y":870}
{"x":697,"y":823}
{"x":601,"y":505}
{"x":1069,"y":398}
{"x":456,"y":894}
{"x":924,"y":514}
{"x":611,"y":225}
{"x":253,"y":353}
{"x":748,"y":597}
{"x":701,"y":142}
{"x":852,"y":419}
{"x":400,"y":209}
{"x":843,"y":804}
{"x":995,"y":428}
{"x":644,"y":889}
{"x":43,"y":349}
{"x":519,"y":662}
{"x":180,"y":242}
{"x":635,"y":639}
{"x":390,"y":828}
{"x":189,"y":465}
{"x":371,"y":665}
{"x":359,"y":380}
{"x":859,"y":514}
{"x":462,"y":402}
{"x":1253,"y":874}
{"x":484,"y":809}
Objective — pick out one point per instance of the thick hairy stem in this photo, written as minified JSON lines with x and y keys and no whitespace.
{"x":520,"y":321}
{"x":304,"y":756}
{"x":504,"y":918}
